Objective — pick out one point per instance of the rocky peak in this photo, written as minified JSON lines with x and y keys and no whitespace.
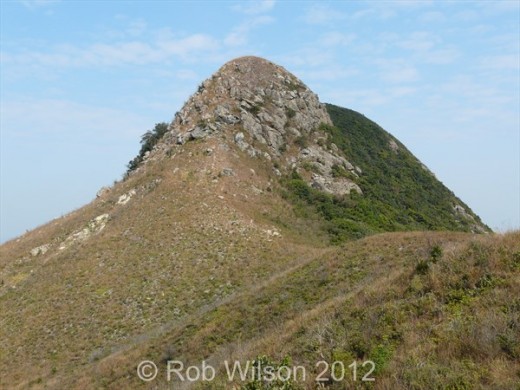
{"x":267,"y":113}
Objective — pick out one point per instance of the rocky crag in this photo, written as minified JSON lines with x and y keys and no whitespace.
{"x":267,"y":113}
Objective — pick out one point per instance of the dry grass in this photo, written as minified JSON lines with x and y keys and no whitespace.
{"x":187,"y":270}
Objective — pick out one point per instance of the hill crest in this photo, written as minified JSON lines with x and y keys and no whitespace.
{"x":218,"y":237}
{"x":261,"y":110}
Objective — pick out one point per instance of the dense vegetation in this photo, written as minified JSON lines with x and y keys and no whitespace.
{"x":148,"y":141}
{"x":399,"y":193}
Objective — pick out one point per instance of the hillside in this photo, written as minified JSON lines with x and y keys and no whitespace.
{"x":262,"y":222}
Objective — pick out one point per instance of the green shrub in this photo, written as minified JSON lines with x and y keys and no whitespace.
{"x":510,"y":344}
{"x":290,"y":113}
{"x":402,"y":194}
{"x":381,"y":355}
{"x":435,"y":253}
{"x":422,"y":267}
{"x":148,"y":141}
{"x":255,"y":109}
{"x":339,"y":171}
{"x":259,"y":364}
{"x":516,"y":260}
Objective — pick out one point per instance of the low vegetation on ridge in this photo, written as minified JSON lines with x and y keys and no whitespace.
{"x":431,"y":310}
{"x":148,"y":141}
{"x":399,"y":193}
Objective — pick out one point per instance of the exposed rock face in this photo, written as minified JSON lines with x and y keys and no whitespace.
{"x":40,"y":250}
{"x":464,"y":215}
{"x":94,"y":226}
{"x":268,"y":113}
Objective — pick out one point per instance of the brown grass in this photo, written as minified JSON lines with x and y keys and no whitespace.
{"x":187,"y":270}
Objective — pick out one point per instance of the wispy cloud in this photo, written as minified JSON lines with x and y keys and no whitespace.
{"x":397,"y":71}
{"x":400,"y":75}
{"x":335,"y":38}
{"x":35,"y":4}
{"x":332,"y":72}
{"x":369,"y":97}
{"x":427,"y":47}
{"x":309,"y":57}
{"x":136,"y":27}
{"x":432,"y":17}
{"x":322,"y":14}
{"x":419,"y":41}
{"x":134,"y":52}
{"x":186,"y":74}
{"x":255,"y":7}
{"x":501,"y":62}
{"x":54,"y":118}
{"x":240,"y":34}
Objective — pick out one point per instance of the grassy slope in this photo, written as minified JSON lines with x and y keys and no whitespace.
{"x":399,"y":194}
{"x":186,"y":270}
{"x":450,"y":320}
{"x":178,"y":247}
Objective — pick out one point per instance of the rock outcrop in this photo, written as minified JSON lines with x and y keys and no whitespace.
{"x":267,"y":113}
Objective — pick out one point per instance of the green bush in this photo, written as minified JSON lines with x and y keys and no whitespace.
{"x":399,"y":191}
{"x":255,"y":109}
{"x":290,"y":113}
{"x":259,"y":364}
{"x":339,"y":171}
{"x":148,"y":141}
{"x":381,"y":355}
{"x":435,"y":253}
{"x":422,"y":267}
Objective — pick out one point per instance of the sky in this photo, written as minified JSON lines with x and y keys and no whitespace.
{"x":81,"y":81}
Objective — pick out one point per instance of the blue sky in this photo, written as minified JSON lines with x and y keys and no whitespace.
{"x":82,"y":80}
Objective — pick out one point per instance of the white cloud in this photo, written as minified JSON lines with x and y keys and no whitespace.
{"x":501,"y":62}
{"x":362,"y":14}
{"x":255,"y":7}
{"x":397,"y":71}
{"x":115,"y":54}
{"x":432,"y":17}
{"x":136,"y":27}
{"x":189,"y":46}
{"x":308,"y":57}
{"x":186,"y":74}
{"x":58,"y":119}
{"x":358,"y":98}
{"x":322,"y":14}
{"x":467,"y":15}
{"x":419,"y":41}
{"x":478,"y":93}
{"x":240,"y":34}
{"x":504,"y":6}
{"x":441,"y":56}
{"x":410,"y":3}
{"x":328,"y":73}
{"x":402,"y":91}
{"x":427,"y":47}
{"x":35,"y":4}
{"x":336,"y":39}
{"x":401,"y":74}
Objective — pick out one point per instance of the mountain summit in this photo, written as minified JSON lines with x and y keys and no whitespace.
{"x":259,"y":222}
{"x":269,"y":114}
{"x":273,"y":117}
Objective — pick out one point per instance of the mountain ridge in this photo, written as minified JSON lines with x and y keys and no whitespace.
{"x":164,"y":264}
{"x":270,"y":114}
